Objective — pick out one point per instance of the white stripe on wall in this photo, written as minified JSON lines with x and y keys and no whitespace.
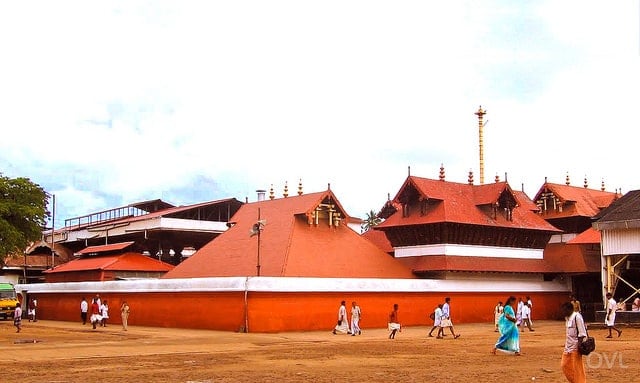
{"x":468,"y":251}
{"x":276,"y":284}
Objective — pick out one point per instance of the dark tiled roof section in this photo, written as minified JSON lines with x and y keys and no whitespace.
{"x":626,"y":208}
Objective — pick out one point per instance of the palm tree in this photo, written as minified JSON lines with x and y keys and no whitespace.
{"x":370,"y":221}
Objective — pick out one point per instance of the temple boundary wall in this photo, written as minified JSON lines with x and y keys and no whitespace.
{"x":272,"y":304}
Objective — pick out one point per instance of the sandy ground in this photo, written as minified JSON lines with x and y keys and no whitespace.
{"x":71,"y":352}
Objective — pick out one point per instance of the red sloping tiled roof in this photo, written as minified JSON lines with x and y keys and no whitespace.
{"x":379,"y":238}
{"x":105,"y":248}
{"x":290,"y":246}
{"x":484,"y":264}
{"x":464,"y":203}
{"x":563,"y":258}
{"x":525,"y":202}
{"x":589,"y":236}
{"x":122,"y":262}
{"x":576,"y":201}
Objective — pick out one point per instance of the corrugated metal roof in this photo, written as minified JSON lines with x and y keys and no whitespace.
{"x":621,"y":214}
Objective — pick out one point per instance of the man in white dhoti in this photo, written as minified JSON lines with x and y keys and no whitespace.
{"x":610,"y":319}
{"x":343,"y":323}
{"x":394,"y":322}
{"x":355,"y":319}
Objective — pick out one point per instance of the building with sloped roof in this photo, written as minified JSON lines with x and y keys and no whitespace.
{"x":574,"y":253}
{"x":28,"y":266}
{"x":284,"y":264}
{"x":157,"y":228}
{"x":619,"y":227}
{"x":301,"y":236}
{"x":107,"y":263}
{"x":440,"y":229}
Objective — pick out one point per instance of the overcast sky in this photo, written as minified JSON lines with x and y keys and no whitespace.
{"x":113,"y":102}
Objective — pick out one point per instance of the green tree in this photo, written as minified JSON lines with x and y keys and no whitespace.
{"x":370,"y":221}
{"x":23,"y":213}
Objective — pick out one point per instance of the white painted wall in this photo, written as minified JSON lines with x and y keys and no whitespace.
{"x":625,"y":241}
{"x":468,"y":251}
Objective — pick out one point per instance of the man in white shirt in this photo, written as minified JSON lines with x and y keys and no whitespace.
{"x":610,"y":319}
{"x":343,"y":324}
{"x":526,"y":317}
{"x":445,"y":321}
{"x":519,"y":312}
{"x":356,"y":313}
{"x":84,"y":307}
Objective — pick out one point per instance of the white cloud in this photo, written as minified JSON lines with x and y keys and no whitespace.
{"x":111,"y":103}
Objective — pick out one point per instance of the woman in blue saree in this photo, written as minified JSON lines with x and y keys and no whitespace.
{"x":509,"y":340}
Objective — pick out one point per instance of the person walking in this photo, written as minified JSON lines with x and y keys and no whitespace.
{"x":124,"y":314}
{"x":526,"y":317}
{"x":84,"y":309}
{"x":17,"y":317}
{"x":436,"y":315}
{"x":446,"y":322}
{"x":610,"y":319}
{"x":104,"y":312}
{"x":519,"y":312}
{"x":497,"y":313}
{"x":31,"y":309}
{"x":571,"y":362}
{"x":509,"y":340}
{"x":394,"y":322}
{"x":356,"y":314}
{"x":95,"y":313}
{"x":343,"y":324}
{"x":576,"y":304}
